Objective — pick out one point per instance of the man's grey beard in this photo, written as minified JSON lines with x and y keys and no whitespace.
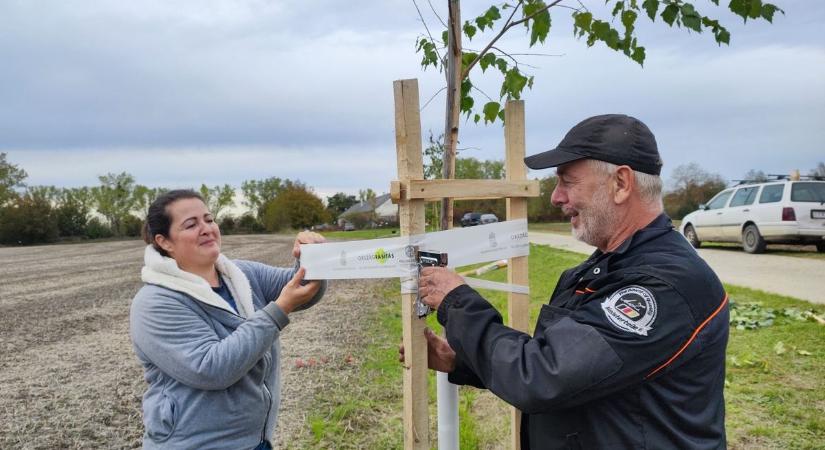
{"x":596,"y":220}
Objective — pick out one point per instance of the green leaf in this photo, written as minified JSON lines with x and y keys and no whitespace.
{"x":476,"y":118}
{"x":638,"y":55}
{"x":779,"y":348}
{"x":487,"y":60}
{"x":739,"y":7}
{"x":628,"y":19}
{"x":755,"y":9}
{"x":541,"y":28}
{"x":482,"y":23}
{"x":492,"y":14}
{"x":768,"y":10}
{"x":618,"y":8}
{"x":502,"y":65}
{"x":723,"y":36}
{"x":469,"y":30}
{"x":491,"y":111}
{"x":467,"y":58}
{"x":514,"y":83}
{"x":582,"y":21}
{"x":467,"y":103}
{"x":669,"y":13}
{"x":501,"y":116}
{"x":651,"y":6}
{"x":445,"y":37}
{"x":690,"y":18}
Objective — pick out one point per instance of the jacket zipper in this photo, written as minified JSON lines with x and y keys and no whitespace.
{"x":269,"y":403}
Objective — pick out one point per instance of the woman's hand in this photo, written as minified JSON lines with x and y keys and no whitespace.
{"x":306,"y":237}
{"x":294,"y":295}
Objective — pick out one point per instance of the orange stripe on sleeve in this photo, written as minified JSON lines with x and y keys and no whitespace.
{"x":692,"y":337}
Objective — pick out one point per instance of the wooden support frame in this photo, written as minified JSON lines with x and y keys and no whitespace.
{"x":411,"y":192}
{"x":411,"y":220}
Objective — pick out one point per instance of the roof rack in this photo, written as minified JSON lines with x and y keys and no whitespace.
{"x":779,"y":177}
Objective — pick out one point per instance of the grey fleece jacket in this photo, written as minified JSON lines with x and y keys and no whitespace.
{"x":213,"y":376}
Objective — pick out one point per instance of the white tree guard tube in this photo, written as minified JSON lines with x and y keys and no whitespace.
{"x":447,"y":412}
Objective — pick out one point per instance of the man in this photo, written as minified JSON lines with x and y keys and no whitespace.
{"x":630,"y":350}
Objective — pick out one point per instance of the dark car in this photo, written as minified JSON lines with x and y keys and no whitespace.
{"x":470,"y":219}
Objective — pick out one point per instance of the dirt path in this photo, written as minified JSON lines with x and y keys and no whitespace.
{"x":785,"y":275}
{"x":68,"y":377}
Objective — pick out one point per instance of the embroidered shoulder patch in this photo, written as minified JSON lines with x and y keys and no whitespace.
{"x":631,"y":309}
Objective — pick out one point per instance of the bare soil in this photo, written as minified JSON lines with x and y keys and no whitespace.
{"x":68,"y":377}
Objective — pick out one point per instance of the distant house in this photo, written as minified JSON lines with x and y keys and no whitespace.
{"x":370,"y":213}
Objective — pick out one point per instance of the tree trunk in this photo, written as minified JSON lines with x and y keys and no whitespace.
{"x":453,"y":105}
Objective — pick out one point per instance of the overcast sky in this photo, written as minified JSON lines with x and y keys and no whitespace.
{"x":180,"y":93}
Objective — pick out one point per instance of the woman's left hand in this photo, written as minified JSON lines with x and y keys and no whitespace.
{"x":306,"y":237}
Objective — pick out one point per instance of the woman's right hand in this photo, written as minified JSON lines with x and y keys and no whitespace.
{"x":294,"y":295}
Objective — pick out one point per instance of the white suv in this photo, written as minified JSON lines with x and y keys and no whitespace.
{"x":777,"y":212}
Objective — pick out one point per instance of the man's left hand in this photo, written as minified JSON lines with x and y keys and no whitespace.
{"x":306,"y":237}
{"x":435,"y":283}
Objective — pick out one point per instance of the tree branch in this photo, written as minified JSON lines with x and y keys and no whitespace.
{"x":436,"y":14}
{"x":433,"y":97}
{"x":507,"y":26}
{"x":420,"y":16}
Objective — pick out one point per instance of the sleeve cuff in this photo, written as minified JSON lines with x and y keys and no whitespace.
{"x":452,"y":297}
{"x":277,"y":315}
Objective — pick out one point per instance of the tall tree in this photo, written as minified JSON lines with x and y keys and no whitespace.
{"x":259,"y":192}
{"x":535,"y":15}
{"x":690,"y":186}
{"x":11,"y":177}
{"x":819,"y":171}
{"x":218,"y":198}
{"x":114,"y":198}
{"x":340,"y":202}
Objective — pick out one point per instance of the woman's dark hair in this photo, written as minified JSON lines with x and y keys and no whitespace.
{"x":158,"y":220}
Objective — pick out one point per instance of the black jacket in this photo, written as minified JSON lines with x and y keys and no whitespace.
{"x":629,"y":352}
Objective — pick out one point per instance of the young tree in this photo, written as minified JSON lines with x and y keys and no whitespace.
{"x":72,"y":212}
{"x":11,"y":176}
{"x":535,"y":16}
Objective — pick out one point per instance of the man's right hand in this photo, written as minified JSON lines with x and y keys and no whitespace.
{"x":440,"y":356}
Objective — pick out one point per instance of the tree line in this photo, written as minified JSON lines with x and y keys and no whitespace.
{"x":118,"y":205}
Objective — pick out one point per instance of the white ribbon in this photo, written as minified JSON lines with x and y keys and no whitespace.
{"x":395,"y":257}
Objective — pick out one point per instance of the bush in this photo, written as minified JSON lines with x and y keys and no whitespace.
{"x":131,"y":226}
{"x":28,"y":220}
{"x":249,"y":224}
{"x":295,"y":208}
{"x":72,"y":218}
{"x":228,"y":225}
{"x":95,"y":229}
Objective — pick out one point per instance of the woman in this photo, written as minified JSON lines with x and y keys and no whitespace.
{"x":206,"y":330}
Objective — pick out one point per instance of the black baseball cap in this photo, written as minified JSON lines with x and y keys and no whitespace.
{"x":614,"y":138}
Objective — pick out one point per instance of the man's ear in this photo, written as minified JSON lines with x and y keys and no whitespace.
{"x":624,"y":183}
{"x":163,"y":243}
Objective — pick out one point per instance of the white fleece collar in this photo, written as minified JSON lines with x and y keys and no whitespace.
{"x":164,"y":271}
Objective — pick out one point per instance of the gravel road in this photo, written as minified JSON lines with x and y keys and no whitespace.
{"x":785,"y":275}
{"x":68,"y":377}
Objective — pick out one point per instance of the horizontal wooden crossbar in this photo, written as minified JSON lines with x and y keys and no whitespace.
{"x":433,"y":190}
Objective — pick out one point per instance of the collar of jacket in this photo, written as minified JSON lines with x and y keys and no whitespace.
{"x":598,"y":263}
{"x":164,"y":271}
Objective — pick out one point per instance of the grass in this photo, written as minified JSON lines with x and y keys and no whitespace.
{"x":374,"y":233}
{"x":775,"y":398}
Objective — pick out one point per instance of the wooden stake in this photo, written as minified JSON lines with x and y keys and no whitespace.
{"x":411,"y":218}
{"x":518,"y":305}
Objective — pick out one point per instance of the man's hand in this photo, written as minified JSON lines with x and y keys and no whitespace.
{"x":435,"y":283}
{"x":305,"y":237}
{"x":440,"y":356}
